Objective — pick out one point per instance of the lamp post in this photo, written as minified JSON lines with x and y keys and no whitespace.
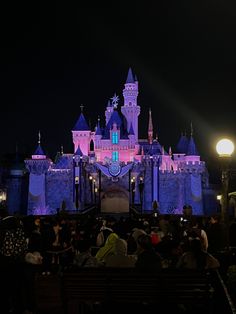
{"x":94,"y":191}
{"x":225,"y":148}
{"x":77,"y":193}
{"x":91,"y":187}
{"x":141,"y":186}
{"x":77,"y":181}
{"x":133,"y":189}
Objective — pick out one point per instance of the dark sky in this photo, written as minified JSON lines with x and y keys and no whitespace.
{"x":53,"y":58}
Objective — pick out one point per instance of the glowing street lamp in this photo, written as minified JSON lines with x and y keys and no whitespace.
{"x":225,"y":149}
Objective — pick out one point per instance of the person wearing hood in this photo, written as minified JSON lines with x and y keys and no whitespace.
{"x":120,"y":257}
{"x":108,"y":248}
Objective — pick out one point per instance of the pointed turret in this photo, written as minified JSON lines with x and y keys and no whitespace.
{"x":81,"y":134}
{"x":98,"y":128}
{"x":150,"y":128}
{"x":109,"y":111}
{"x":130,"y":109}
{"x":115,"y":118}
{"x":192,"y":150}
{"x":39,"y":153}
{"x":81,"y":124}
{"x":78,"y":152}
{"x":182,"y":146}
{"x":130,"y":77}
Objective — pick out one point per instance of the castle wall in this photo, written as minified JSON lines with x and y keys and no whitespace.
{"x":17,"y":194}
{"x":59,"y":187}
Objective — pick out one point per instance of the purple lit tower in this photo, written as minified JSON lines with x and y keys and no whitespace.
{"x":114,"y":170}
{"x":38,"y":167}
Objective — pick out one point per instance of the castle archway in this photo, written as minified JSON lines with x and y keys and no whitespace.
{"x":115,"y":199}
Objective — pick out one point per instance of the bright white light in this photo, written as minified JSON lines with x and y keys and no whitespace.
{"x":219,"y":197}
{"x":225,"y":147}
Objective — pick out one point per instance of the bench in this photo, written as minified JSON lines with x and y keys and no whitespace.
{"x":109,"y":286}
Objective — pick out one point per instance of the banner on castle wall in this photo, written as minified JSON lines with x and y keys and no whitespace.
{"x":196,"y":189}
{"x":36,"y":184}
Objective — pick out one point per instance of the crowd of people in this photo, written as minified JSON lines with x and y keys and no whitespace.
{"x":52,"y":244}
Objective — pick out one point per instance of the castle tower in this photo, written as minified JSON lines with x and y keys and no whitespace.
{"x":192,"y":150}
{"x":182,"y":146}
{"x":81,"y":134}
{"x":17,"y":184}
{"x":150,"y":128}
{"x":109,"y":111}
{"x":37,"y":166}
{"x":130,"y":109}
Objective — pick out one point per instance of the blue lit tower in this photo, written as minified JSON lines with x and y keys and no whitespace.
{"x":38,"y":166}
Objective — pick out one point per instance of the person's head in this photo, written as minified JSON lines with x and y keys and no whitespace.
{"x":137,"y":232}
{"x":84,"y":245}
{"x":214,"y":219}
{"x":120,"y":247}
{"x":111,"y":239}
{"x":145,"y":242}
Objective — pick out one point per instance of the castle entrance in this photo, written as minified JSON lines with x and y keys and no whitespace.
{"x":115,"y":199}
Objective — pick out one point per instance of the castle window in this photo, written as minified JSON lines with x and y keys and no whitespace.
{"x":115,"y":156}
{"x":114,"y":138}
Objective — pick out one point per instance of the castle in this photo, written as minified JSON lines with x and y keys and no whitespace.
{"x":113,"y":169}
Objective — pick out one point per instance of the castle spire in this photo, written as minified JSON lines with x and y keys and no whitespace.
{"x":98,"y":128}
{"x":130,"y":77}
{"x":191,"y":129}
{"x":39,"y":138}
{"x":39,"y":153}
{"x":182,"y":146}
{"x":192,"y":149}
{"x":150,"y":128}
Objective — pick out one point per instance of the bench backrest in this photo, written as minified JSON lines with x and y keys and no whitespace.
{"x":133,"y":286}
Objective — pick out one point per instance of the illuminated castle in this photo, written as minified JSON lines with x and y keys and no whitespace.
{"x":115,"y":170}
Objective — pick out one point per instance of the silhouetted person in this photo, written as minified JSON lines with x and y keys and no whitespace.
{"x":147,"y":258}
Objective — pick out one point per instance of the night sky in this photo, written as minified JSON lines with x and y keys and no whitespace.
{"x":55,"y":58}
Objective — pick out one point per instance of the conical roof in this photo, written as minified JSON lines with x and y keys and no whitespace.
{"x":39,"y":151}
{"x":81,"y":124}
{"x":130,"y":77}
{"x":98,"y":129}
{"x":182,"y":146}
{"x":192,"y":150}
{"x":78,"y":152}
